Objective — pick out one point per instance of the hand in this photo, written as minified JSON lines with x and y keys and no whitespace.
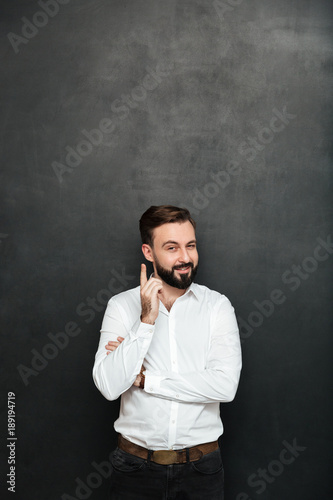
{"x":149,"y":293}
{"x":112,"y":346}
{"x":140,"y":379}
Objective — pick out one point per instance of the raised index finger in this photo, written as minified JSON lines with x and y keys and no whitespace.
{"x":143,"y":275}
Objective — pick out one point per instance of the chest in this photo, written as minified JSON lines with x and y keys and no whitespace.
{"x":181,"y":340}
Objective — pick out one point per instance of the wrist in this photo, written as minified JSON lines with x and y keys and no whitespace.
{"x":142,"y":381}
{"x":145,"y":319}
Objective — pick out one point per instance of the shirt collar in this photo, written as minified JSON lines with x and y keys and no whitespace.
{"x":194,"y":289}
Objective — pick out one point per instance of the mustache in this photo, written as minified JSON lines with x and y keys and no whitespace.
{"x":189,"y":264}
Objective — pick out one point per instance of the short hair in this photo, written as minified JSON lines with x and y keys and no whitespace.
{"x":156,"y":216}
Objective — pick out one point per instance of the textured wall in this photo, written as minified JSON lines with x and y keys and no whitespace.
{"x":224,"y":107}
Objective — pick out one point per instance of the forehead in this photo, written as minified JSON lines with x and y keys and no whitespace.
{"x":180,"y":232}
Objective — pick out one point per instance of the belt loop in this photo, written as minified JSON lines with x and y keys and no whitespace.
{"x":187,"y":454}
{"x":150,"y":452}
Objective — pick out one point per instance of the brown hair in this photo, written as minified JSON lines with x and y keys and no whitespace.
{"x":156,"y":216}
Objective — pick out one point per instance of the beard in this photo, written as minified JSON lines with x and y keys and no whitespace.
{"x":170,"y":278}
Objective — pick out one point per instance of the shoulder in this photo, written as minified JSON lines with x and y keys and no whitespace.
{"x":214,"y":298}
{"x":127,"y":297}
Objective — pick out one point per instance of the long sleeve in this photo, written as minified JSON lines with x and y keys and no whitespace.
{"x":218,"y":382}
{"x":113,"y":374}
{"x":192,"y":361}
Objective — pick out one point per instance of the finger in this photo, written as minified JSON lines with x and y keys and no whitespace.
{"x":120,"y":339}
{"x":113,"y":342}
{"x":152,"y":280}
{"x":112,"y":345}
{"x":143,"y":275}
{"x":151,"y":284}
{"x":153,"y":290}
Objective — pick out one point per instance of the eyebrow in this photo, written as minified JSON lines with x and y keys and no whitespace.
{"x":176,"y":242}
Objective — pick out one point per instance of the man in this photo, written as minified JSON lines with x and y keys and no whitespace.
{"x":171,"y":349}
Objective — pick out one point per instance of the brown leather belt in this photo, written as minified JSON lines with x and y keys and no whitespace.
{"x":168,"y":457}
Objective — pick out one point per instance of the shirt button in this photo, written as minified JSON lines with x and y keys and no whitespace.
{"x":177,"y":395}
{"x":173,"y":421}
{"x":151,"y":389}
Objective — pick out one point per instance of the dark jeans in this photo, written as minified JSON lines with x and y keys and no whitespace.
{"x":134,"y":478}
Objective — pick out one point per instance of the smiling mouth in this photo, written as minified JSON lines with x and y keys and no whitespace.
{"x":183,"y":270}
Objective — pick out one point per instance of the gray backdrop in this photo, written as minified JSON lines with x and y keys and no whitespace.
{"x":108,"y":107}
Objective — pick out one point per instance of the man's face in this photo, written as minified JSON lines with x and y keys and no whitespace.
{"x":174,"y":254}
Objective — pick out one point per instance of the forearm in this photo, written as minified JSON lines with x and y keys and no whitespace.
{"x":217,"y":382}
{"x":113,"y":374}
{"x":207,"y":386}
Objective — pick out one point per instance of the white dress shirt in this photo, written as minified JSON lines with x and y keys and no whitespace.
{"x":192,"y":358}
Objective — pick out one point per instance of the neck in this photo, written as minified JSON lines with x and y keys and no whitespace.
{"x":169,"y":295}
{"x":171,"y":292}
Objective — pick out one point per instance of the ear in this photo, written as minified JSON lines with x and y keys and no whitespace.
{"x":147,"y":252}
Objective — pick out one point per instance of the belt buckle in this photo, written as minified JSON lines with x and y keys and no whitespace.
{"x":165,"y":457}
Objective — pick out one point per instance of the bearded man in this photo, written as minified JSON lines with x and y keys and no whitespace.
{"x":170,"y":348}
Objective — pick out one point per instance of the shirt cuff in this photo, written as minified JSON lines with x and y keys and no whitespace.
{"x":141,"y":330}
{"x":152,"y":382}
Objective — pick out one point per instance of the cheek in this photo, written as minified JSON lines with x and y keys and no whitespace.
{"x":195,"y":257}
{"x":172,"y":262}
{"x":167,"y":262}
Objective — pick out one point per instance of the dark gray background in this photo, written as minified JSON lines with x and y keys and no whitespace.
{"x":63,"y":238}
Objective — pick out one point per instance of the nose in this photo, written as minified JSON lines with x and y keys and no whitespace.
{"x":183,"y":256}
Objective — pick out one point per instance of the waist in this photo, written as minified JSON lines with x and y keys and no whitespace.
{"x":168,"y":457}
{"x":157,"y":423}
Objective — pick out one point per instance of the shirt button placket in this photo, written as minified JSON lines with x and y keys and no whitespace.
{"x":174,"y":368}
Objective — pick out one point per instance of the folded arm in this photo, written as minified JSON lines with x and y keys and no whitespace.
{"x":218,"y":382}
{"x":116,"y":373}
